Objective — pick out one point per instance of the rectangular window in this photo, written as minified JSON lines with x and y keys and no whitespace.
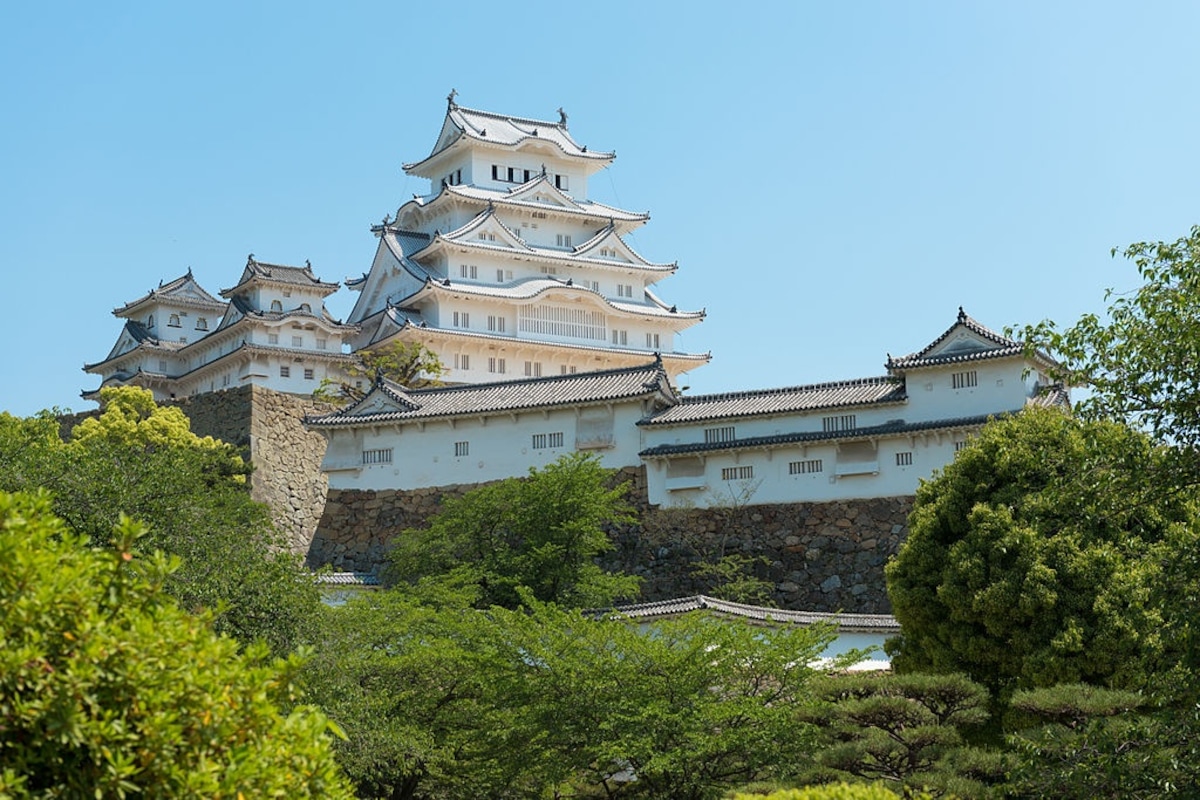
{"x":718,"y":435}
{"x":468,"y":271}
{"x":964,"y":380}
{"x":272,"y":338}
{"x":594,"y":286}
{"x":462,"y":449}
{"x":495,"y":323}
{"x":503,"y":275}
{"x":566,"y":370}
{"x":806,"y":467}
{"x":959,"y":445}
{"x":308,"y":374}
{"x":297,"y":341}
{"x":555,"y":439}
{"x":543,"y":441}
{"x":904,"y":459}
{"x":527,"y":176}
{"x":285,"y":372}
{"x":462,"y":361}
{"x":844,"y":422}
{"x":533,"y":369}
{"x":549,"y":270}
{"x":322,"y":344}
{"x":737,"y":473}
{"x":620,"y":337}
{"x":652,"y":341}
{"x":560,"y":182}
{"x":380,"y":456}
{"x":563,"y":240}
{"x":462,"y":319}
{"x":495,"y":172}
{"x":496,"y":365}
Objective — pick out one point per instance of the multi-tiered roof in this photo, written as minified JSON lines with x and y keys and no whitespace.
{"x":506,"y":269}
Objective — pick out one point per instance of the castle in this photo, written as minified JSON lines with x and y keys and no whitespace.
{"x":554,"y":341}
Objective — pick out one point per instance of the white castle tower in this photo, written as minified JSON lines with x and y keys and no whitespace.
{"x":507,"y":270}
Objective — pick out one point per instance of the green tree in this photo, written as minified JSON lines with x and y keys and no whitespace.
{"x":541,"y":533}
{"x":419,"y":692}
{"x":143,"y":460}
{"x":1079,"y":741}
{"x":686,"y":709}
{"x":1142,"y":363}
{"x":410,"y":364}
{"x":1023,"y":568}
{"x":107,"y":689}
{"x":836,"y":791}
{"x":908,"y":730}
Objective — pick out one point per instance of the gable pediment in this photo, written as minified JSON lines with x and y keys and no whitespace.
{"x":961,"y":342}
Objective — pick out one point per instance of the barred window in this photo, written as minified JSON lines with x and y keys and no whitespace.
{"x":843,"y":422}
{"x":964,"y":380}
{"x":462,"y":448}
{"x":737,"y":473}
{"x":718,"y":435}
{"x":904,"y":459}
{"x":380,"y":456}
{"x":806,"y":467}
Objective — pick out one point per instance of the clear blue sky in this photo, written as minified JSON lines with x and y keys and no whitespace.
{"x":835,"y":179}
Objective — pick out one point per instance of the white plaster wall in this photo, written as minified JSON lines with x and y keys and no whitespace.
{"x":1001,"y":387}
{"x":499,"y":447}
{"x":772,"y":483}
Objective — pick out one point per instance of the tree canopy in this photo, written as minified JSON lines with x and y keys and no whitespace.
{"x":142,"y":459}
{"x":108,"y":689}
{"x":1024,"y":568}
{"x":541,"y":533}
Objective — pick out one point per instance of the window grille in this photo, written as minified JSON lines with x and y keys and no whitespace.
{"x":806,"y":467}
{"x":380,"y":456}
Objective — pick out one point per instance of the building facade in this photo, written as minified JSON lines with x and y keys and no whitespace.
{"x":850,"y":440}
{"x":507,"y":270}
{"x":271,"y":330}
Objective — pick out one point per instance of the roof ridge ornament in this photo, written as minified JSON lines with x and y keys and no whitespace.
{"x":962,"y":315}
{"x":450,"y":99}
{"x":562,"y":117}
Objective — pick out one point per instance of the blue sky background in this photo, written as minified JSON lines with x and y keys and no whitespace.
{"x":834,"y":179}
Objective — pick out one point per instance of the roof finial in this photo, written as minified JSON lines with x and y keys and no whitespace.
{"x":387,"y":218}
{"x":308,"y":265}
{"x":189,"y":270}
{"x":450,"y":99}
{"x":250,"y":260}
{"x":543,"y":170}
{"x":962,"y":315}
{"x":562,"y":117}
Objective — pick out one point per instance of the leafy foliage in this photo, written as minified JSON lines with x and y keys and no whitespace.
{"x":143,"y":460}
{"x":1024,"y":568}
{"x":905,"y":729}
{"x":1079,"y":741}
{"x":1143,"y":362}
{"x":419,"y":693}
{"x":541,"y":533}
{"x":410,"y":364}
{"x":454,"y":702}
{"x":836,"y":791}
{"x":107,"y":689}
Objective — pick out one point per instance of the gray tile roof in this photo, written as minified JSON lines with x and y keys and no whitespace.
{"x":258,"y":271}
{"x":183,"y":291}
{"x":1002,"y":347}
{"x":475,"y":399}
{"x":752,"y":442}
{"x":790,"y":399}
{"x":643,"y":612}
{"x":501,"y":129}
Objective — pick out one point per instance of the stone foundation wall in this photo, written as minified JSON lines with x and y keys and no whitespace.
{"x":816,"y":556}
{"x":266,"y":427}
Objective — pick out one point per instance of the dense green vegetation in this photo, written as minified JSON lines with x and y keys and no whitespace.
{"x":539,"y":536}
{"x":108,"y":689}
